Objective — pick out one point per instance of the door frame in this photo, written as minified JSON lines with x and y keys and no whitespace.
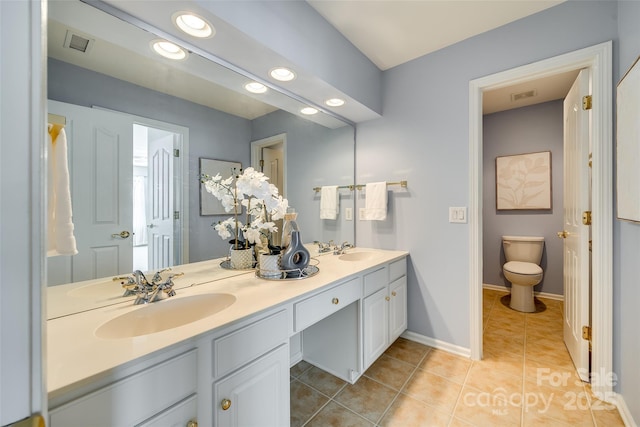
{"x":598,"y":59}
{"x":256,"y":155}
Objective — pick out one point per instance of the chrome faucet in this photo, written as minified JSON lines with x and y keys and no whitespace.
{"x":137,"y":284}
{"x":325,"y":247}
{"x":343,"y":248}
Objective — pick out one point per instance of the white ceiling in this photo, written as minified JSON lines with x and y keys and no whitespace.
{"x":392,"y":32}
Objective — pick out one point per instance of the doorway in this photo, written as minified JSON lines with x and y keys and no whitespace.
{"x":598,"y":59}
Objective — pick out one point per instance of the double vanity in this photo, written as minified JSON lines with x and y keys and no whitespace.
{"x":217,"y":353}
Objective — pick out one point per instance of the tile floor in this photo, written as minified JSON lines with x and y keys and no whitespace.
{"x":525,"y":379}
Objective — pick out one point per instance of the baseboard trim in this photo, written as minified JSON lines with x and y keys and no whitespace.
{"x":538,"y":294}
{"x":625,"y":414}
{"x":440,"y":345}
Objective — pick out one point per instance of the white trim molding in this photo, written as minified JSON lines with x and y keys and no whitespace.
{"x":536,"y":293}
{"x":599,"y":60}
{"x":432,"y":342}
{"x":623,"y":409}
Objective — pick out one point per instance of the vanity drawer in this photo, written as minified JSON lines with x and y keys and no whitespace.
{"x":234,"y":350}
{"x":375,"y":280}
{"x":316,"y":308}
{"x":133,"y":399}
{"x":397,"y":269}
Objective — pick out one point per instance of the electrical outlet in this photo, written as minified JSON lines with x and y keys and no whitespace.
{"x":362,"y":214}
{"x":348,"y":214}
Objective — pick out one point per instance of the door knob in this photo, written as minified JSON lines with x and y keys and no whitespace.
{"x":122,"y":234}
{"x":563,"y":234}
{"x":226,"y":404}
{"x":150,"y":226}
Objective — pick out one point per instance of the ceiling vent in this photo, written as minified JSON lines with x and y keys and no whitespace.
{"x":76,"y":41}
{"x":523,"y":95}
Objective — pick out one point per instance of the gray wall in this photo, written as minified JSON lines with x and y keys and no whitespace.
{"x":523,"y":130}
{"x":212,"y":134}
{"x":626,"y":239}
{"x":316,"y":156}
{"x":423,"y":136}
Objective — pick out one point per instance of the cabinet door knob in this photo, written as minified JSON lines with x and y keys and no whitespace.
{"x":387,"y":298}
{"x":393,"y":293}
{"x":226,"y":404}
{"x":335,"y":301}
{"x":192,"y":423}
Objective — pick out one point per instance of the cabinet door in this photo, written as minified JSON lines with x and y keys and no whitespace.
{"x":397,"y":308}
{"x":375,"y":325}
{"x":257,"y":395}
{"x":178,"y":415}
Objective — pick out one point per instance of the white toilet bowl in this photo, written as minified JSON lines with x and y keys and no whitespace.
{"x":522,"y":269}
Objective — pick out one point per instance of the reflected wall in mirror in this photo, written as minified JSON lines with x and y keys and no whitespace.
{"x":189,"y":106}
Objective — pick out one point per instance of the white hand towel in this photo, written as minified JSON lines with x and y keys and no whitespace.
{"x":376,"y":201}
{"x":61,"y":240}
{"x":329,"y":202}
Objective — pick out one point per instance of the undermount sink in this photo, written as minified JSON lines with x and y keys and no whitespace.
{"x":163,"y":315}
{"x":356,"y":256}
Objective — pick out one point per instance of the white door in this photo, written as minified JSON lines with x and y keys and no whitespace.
{"x":273,"y":167}
{"x":160,"y":197}
{"x":576,"y":235}
{"x":100,"y":146}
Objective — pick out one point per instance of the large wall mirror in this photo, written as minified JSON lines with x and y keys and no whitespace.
{"x":135,"y":120}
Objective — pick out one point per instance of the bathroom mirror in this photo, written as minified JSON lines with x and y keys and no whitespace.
{"x":103,"y":64}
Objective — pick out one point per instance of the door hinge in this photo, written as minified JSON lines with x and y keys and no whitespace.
{"x":586,"y":217}
{"x":262,"y":165}
{"x":586,"y":333}
{"x":586,"y":102}
{"x":176,"y":152}
{"x":176,"y":214}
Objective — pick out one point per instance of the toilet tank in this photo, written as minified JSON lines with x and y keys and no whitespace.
{"x":523,"y":248}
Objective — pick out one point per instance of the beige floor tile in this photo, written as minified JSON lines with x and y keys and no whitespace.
{"x":406,"y":411}
{"x":551,"y":375}
{"x":389,"y":371}
{"x":322,"y":381}
{"x":508,"y":363}
{"x":433,"y":390}
{"x":457,"y":422}
{"x":408,"y":351}
{"x":504,"y":327}
{"x":498,"y":343}
{"x":535,"y":419}
{"x":557,"y":357}
{"x":297,"y":369}
{"x":605,"y":416}
{"x":367,"y":397}
{"x":481,"y":409}
{"x":570,"y":407}
{"x":305,"y":402}
{"x":447,"y":365}
{"x":335,"y":415}
{"x":493,"y":381}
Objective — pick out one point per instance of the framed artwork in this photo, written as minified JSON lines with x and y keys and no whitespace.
{"x":523,"y":181}
{"x":628,"y":145}
{"x":209,"y":205}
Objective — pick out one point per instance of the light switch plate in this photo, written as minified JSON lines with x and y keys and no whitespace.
{"x":348,"y":214}
{"x":458,"y":214}
{"x":361,"y":214}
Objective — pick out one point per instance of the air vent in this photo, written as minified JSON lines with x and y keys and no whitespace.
{"x":523,"y":95}
{"x":76,"y":41}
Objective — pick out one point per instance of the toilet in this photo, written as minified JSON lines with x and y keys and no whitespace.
{"x":522,"y":269}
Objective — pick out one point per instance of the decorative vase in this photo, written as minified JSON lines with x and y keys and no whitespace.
{"x":296,"y":257}
{"x":269,"y":266}
{"x":241,"y":259}
{"x":289,"y":226}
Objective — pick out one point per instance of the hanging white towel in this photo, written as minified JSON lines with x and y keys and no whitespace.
{"x":61,"y":240}
{"x":376,"y":201}
{"x":329,"y":202}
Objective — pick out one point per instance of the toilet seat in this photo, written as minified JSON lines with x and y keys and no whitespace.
{"x":522,"y":268}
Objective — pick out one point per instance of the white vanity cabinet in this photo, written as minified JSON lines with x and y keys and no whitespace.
{"x":384,"y":309}
{"x":161,"y":394}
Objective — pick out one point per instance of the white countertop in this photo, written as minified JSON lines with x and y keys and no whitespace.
{"x":75,"y":354}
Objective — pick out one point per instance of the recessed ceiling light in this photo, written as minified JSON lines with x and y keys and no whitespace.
{"x":193,"y":24}
{"x":309,"y":111}
{"x":334,"y":102}
{"x":168,"y":49}
{"x":282,"y":74}
{"x":255,"y":87}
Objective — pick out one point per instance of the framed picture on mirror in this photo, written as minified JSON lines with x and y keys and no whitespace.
{"x":209,"y":205}
{"x":628,"y":145}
